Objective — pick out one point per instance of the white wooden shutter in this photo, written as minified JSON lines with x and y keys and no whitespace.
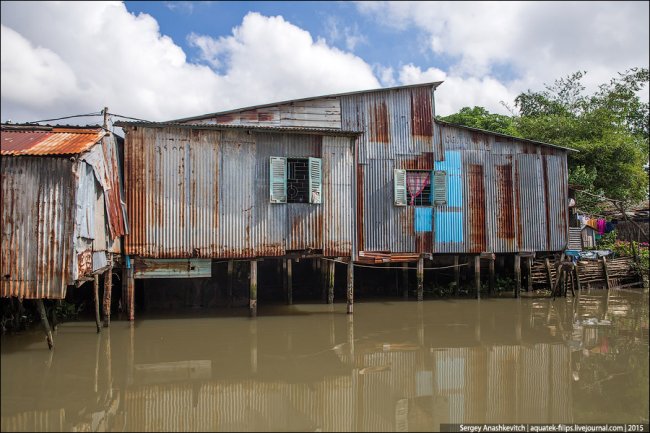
{"x":315,"y":181}
{"x":399,"y":183}
{"x":278,"y":180}
{"x":439,"y":187}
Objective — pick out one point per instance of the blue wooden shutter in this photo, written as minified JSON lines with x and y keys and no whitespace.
{"x":315,"y":181}
{"x":278,"y":180}
{"x":399,"y":184}
{"x":439,"y":187}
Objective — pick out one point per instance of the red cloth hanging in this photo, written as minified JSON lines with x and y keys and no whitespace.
{"x":415,"y":183}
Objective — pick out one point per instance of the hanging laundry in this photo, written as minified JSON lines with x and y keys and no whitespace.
{"x":609,"y":227}
{"x":600,"y":226}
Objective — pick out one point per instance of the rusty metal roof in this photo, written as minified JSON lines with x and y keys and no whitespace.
{"x":433,"y":84}
{"x":39,"y":140}
{"x":264,"y":128}
{"x":485,"y":131}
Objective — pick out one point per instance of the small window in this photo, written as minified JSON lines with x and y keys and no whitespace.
{"x":440,"y":187}
{"x":412,"y":187}
{"x":296,"y":180}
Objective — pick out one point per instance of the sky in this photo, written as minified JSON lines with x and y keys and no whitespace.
{"x":167,"y":60}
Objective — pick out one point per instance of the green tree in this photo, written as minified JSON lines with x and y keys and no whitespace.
{"x":479,"y":117}
{"x":609,"y":129}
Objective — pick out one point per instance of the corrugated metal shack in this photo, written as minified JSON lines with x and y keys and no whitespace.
{"x":200,"y":192}
{"x":62,"y":207}
{"x":425,"y":187}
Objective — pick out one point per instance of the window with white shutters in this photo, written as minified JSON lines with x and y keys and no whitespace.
{"x":439,"y":187}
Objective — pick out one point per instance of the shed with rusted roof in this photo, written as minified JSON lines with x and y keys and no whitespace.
{"x":62,"y":207}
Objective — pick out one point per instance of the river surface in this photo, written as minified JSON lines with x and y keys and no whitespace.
{"x":392,"y":366}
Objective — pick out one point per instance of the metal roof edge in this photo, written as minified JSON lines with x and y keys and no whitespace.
{"x":218,"y":126}
{"x":433,"y":84}
{"x":485,"y":131}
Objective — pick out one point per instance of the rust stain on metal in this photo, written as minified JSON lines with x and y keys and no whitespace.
{"x":407,"y":220}
{"x":478,"y":137}
{"x":505,"y":214}
{"x":421,"y":118}
{"x":226,"y":118}
{"x":547,"y":209}
{"x":422,"y":161}
{"x":379,"y":123}
{"x":85,"y":262}
{"x":266,"y":117}
{"x":57,"y":141}
{"x":476,"y":215}
{"x":423,"y":242}
{"x":360,"y":208}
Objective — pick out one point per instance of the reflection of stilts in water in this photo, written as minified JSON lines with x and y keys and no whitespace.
{"x":252,"y":328}
{"x":330,"y":308}
{"x":420,"y":308}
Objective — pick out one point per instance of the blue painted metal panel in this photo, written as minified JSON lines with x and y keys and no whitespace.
{"x":452,"y":165}
{"x":423,"y":219}
{"x":449,"y":226}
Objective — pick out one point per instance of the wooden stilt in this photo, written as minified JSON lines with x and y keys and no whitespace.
{"x":606,"y":271}
{"x":350,"y":288}
{"x":96,"y":299}
{"x":252,"y":304}
{"x":420,"y":279}
{"x":231,"y":276}
{"x":477,"y":276}
{"x":330,"y":282}
{"x":491,"y":270}
{"x":573,"y":281}
{"x":54,"y":318}
{"x":45,"y":323}
{"x":289,"y":282}
{"x":529,"y":274}
{"x":456,"y":276}
{"x":576,"y":270}
{"x":549,"y":276}
{"x":405,"y":280}
{"x":517,"y":275}
{"x":131,"y":293}
{"x":108,"y":289}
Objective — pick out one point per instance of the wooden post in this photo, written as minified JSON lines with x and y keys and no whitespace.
{"x":405,"y":280}
{"x":231,"y":276}
{"x":549,"y":276}
{"x":330,"y":282}
{"x":45,"y":323}
{"x":252,"y":303}
{"x":108,"y":288}
{"x":529,"y":274}
{"x":350,"y":291}
{"x":517,"y":275}
{"x":420,"y":279}
{"x":576,"y":270}
{"x":607,"y":284}
{"x":456,"y":276}
{"x":96,"y":299}
{"x":289,"y":282}
{"x":573,"y":281}
{"x":491,"y":286}
{"x":477,"y":276}
{"x":130,"y":290}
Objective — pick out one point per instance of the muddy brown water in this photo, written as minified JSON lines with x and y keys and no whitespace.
{"x":392,"y":366}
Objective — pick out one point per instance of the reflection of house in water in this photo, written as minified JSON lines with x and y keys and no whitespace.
{"x":353,"y":375}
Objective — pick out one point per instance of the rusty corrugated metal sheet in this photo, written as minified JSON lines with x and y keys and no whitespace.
{"x":205,"y":193}
{"x":57,"y":141}
{"x":37,"y":227}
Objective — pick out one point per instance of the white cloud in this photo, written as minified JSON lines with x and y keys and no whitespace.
{"x":350,"y":36}
{"x":457,"y":92}
{"x":61,"y":58}
{"x":537,"y":42}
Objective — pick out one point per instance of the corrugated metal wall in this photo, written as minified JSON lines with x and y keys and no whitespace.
{"x":37,"y":226}
{"x":205,"y":193}
{"x":503,"y":195}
